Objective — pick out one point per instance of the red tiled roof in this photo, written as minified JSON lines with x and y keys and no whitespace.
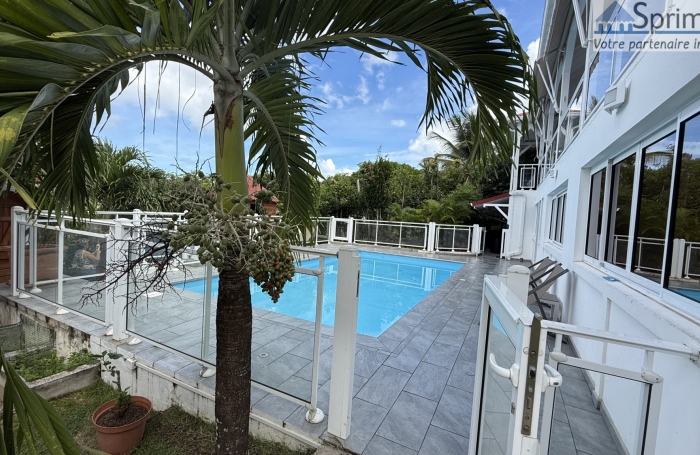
{"x":491,"y":200}
{"x":254,"y":188}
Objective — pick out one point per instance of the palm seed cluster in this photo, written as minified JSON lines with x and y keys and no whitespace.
{"x":228,"y":233}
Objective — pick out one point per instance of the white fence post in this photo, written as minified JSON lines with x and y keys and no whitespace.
{"x":476,"y":239}
{"x":116,"y":298}
{"x":331,"y":229}
{"x":351,"y":227}
{"x":431,"y":237}
{"x":15,"y":263}
{"x":344,"y":338}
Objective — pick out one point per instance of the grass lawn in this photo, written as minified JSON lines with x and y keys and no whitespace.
{"x":172,"y":432}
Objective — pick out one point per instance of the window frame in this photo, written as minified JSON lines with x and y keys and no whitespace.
{"x":654,"y":290}
{"x":556,"y":218}
{"x":607,"y":167}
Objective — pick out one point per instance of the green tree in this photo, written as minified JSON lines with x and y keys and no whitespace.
{"x":338,"y":196}
{"x":406,"y":185}
{"x":374,"y":185}
{"x":63,"y":59}
{"x":126,"y":181}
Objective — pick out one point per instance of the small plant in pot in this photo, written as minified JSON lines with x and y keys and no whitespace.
{"x":119,"y":423}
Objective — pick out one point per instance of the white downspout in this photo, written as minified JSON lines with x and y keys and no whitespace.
{"x":519,"y":251}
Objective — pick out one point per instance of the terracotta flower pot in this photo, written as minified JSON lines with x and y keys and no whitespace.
{"x":120,"y":440}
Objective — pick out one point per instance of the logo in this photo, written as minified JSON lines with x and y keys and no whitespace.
{"x":651,"y":25}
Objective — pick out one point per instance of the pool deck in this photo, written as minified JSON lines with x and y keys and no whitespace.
{"x":413,"y":384}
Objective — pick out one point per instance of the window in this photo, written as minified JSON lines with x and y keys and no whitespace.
{"x":607,"y":65}
{"x":652,"y":218}
{"x":666,"y":215}
{"x":556,"y":222}
{"x":620,"y":211}
{"x":595,"y":214}
{"x":683,"y":271}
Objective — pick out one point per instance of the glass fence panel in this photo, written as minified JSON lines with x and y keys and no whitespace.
{"x":497,"y":394}
{"x":322,"y":231}
{"x":462,"y":239}
{"x":282,"y":351}
{"x":584,"y":421}
{"x":84,"y":263}
{"x":341,"y":229}
{"x":413,"y":236}
{"x":388,"y":234}
{"x":445,"y":238}
{"x":174,"y":317}
{"x":42,"y":263}
{"x":365,"y":232}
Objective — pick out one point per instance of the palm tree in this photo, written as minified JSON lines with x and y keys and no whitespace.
{"x":61,"y":61}
{"x":126,"y":180}
{"x":467,"y":146}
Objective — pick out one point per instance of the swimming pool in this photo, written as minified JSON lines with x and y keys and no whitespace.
{"x":390,"y":286}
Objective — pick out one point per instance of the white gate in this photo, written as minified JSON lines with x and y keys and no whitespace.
{"x":520,"y":356}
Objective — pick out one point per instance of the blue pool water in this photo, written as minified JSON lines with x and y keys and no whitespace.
{"x":389,"y":287}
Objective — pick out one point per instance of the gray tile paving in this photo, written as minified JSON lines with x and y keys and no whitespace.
{"x":442,"y":354}
{"x":413,"y":384}
{"x":384,"y":386}
{"x":381,"y":446}
{"x":454,"y":411}
{"x":428,"y":381}
{"x":408,"y":420}
{"x":439,"y":441}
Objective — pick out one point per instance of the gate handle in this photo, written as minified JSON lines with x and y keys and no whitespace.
{"x":511,"y":373}
{"x":552,"y":378}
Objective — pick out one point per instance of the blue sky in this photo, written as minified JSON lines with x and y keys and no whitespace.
{"x":370,"y":104}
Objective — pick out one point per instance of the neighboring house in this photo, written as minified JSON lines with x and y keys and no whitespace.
{"x":270,"y":207}
{"x":615,"y":193}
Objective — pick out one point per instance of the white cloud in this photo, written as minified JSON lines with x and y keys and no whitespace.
{"x":331,"y":97}
{"x":386,"y":105}
{"x":532,"y":50}
{"x":176,"y":81}
{"x":420,"y":147}
{"x":369,"y":62}
{"x":502,"y":10}
{"x":399,"y":123}
{"x":381,"y":78}
{"x":328,"y":168}
{"x":363,"y":91}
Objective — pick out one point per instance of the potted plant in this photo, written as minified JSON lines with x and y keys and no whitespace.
{"x":119,"y":423}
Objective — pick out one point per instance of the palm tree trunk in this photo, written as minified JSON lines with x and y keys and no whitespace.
{"x":234,"y":324}
{"x":234,"y":313}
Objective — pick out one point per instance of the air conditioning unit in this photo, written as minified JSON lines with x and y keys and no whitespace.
{"x":615,"y":97}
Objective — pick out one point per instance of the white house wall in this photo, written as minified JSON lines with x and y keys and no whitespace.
{"x":660,"y":86}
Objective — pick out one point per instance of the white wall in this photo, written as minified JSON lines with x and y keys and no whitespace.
{"x":661,"y":85}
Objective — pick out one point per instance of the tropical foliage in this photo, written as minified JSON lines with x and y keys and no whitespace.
{"x":125,"y":180}
{"x":62,"y":60}
{"x":25,"y":413}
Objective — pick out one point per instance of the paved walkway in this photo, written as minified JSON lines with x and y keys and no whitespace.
{"x":413,"y":384}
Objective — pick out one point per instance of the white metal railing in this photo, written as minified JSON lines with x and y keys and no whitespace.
{"x":528,"y":176}
{"x":322,"y":230}
{"x":36,"y":240}
{"x":391,"y":233}
{"x":646,"y":247}
{"x":455,"y":238}
{"x":691,"y":269}
{"x":425,"y":236}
